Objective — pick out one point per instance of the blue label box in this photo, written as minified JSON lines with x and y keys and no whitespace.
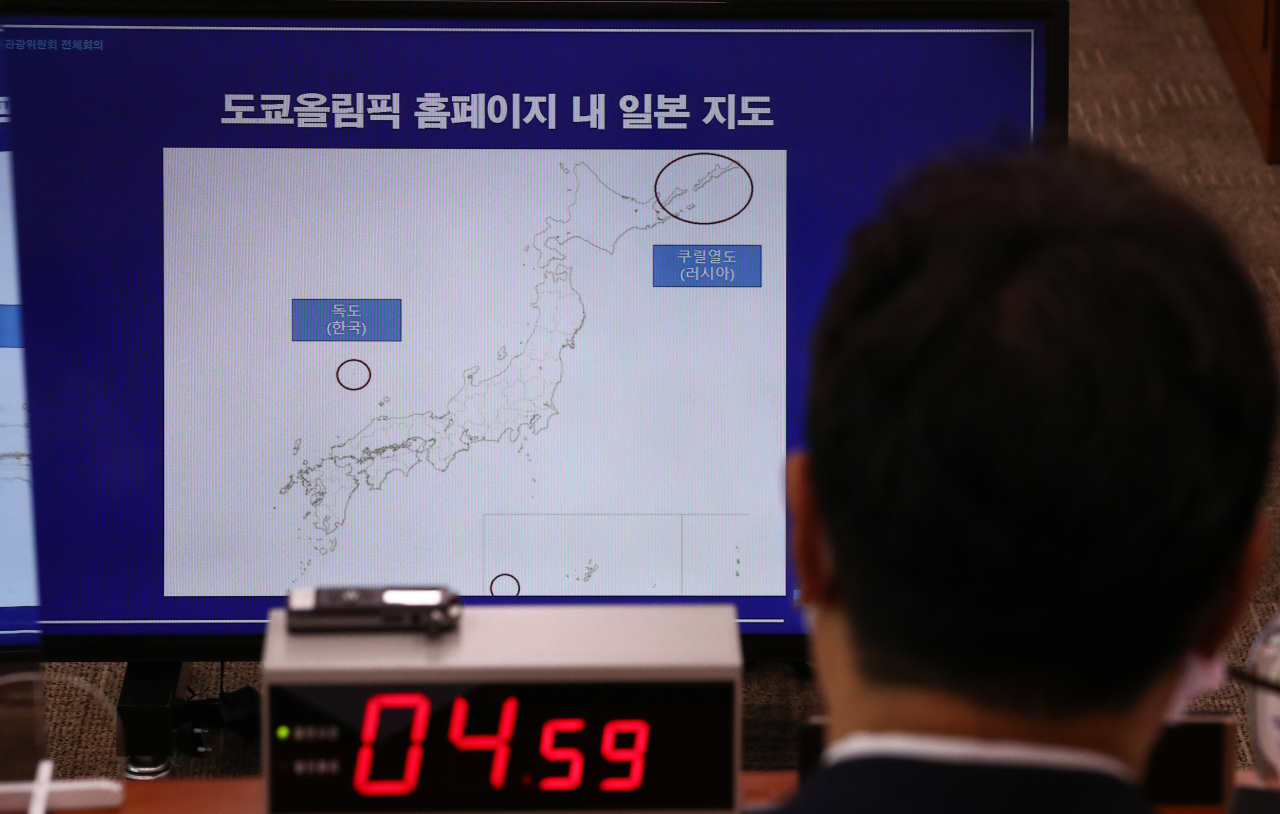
{"x":10,"y":326}
{"x":706,"y":266}
{"x":346,"y":320}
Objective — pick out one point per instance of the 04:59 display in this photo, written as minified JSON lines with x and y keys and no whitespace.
{"x":499,"y":743}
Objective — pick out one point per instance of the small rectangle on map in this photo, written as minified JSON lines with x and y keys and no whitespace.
{"x":346,"y":320}
{"x":706,"y":266}
{"x":581,"y":554}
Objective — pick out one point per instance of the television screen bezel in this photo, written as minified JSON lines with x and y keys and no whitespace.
{"x":756,"y":646}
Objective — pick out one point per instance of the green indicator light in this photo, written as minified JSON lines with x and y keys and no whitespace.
{"x":282,"y":732}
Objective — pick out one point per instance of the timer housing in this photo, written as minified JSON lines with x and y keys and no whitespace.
{"x":534,"y":708}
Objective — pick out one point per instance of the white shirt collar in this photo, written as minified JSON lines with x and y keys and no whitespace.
{"x":950,"y":749}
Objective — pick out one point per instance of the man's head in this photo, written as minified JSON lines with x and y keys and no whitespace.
{"x":1039,"y":425}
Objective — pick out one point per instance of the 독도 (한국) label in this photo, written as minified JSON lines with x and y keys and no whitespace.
{"x":346,"y":320}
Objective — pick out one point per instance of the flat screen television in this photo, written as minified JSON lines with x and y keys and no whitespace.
{"x":510,"y":297}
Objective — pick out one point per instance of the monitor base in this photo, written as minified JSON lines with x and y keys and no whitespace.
{"x":156,"y":720}
{"x":146,"y":767}
{"x":147,"y":712}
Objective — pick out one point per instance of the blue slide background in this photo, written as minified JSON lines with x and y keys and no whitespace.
{"x":853,"y":111}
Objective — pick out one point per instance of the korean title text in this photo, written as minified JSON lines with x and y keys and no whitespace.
{"x":19,"y":44}
{"x":435,"y":111}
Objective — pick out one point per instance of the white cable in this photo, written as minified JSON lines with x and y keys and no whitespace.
{"x":40,"y":789}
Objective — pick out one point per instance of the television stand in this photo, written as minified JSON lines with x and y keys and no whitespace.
{"x":147,"y":710}
{"x":156,"y":720}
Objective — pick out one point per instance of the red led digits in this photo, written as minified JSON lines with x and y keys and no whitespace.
{"x":633,"y":754}
{"x":369,"y":733}
{"x":554,"y":753}
{"x":499,"y":743}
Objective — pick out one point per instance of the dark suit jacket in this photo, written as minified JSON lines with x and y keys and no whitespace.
{"x":875,"y":785}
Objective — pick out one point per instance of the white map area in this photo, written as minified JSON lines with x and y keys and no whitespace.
{"x":17,"y":532}
{"x":582,"y":430}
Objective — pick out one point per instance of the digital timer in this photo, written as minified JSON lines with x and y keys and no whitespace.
{"x":548,"y":708}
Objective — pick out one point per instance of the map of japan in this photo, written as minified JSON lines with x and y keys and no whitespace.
{"x":518,"y":398}
{"x":530,"y":300}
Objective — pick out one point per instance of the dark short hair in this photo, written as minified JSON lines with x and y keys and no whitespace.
{"x":1040,"y":421}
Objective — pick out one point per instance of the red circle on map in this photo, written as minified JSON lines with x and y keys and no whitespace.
{"x":751,"y":190}
{"x":368,"y":374}
{"x":493,"y":581}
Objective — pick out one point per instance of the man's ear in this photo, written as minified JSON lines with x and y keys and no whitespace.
{"x":1229,"y":608}
{"x":814,"y":566}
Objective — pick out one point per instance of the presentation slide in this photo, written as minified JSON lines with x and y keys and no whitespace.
{"x":400,"y":366}
{"x":518,"y":307}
